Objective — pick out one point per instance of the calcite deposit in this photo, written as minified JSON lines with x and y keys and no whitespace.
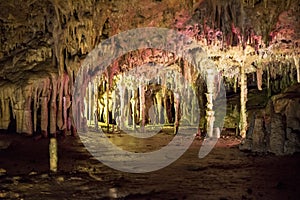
{"x":253,"y":43}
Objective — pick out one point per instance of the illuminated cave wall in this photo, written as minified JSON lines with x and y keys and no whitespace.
{"x":44,"y":42}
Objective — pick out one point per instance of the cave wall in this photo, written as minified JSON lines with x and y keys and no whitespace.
{"x":44,"y":42}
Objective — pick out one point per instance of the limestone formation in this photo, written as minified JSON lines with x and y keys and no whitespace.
{"x":44,"y":43}
{"x":276,"y":128}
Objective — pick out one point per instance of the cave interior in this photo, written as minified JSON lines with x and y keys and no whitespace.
{"x":230,"y":72}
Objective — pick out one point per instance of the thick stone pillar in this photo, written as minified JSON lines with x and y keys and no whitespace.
{"x":210,"y":114}
{"x":243,"y":111}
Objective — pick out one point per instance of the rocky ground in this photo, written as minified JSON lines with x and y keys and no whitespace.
{"x":226,"y":173}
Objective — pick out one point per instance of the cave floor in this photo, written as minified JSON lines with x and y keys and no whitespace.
{"x":226,"y":173}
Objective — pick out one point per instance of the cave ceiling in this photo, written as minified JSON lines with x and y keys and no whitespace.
{"x":44,"y":41}
{"x":44,"y":36}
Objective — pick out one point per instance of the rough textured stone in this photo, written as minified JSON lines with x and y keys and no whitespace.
{"x":277,"y":135}
{"x":46,"y":41}
{"x":258,"y":136}
{"x":277,"y":129}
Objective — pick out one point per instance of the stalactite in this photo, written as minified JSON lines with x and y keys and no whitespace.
{"x":142,"y":106}
{"x":159,"y":107}
{"x":22,"y":110}
{"x":193,"y":107}
{"x":165,"y":97}
{"x":265,"y":3}
{"x":296,"y":60}
{"x":66,"y":101}
{"x":96,"y":95}
{"x":35,"y":107}
{"x":5,"y":112}
{"x":53,"y":106}
{"x":121,"y":118}
{"x":268,"y":81}
{"x":177,"y":111}
{"x":235,"y":84}
{"x":89,"y":104}
{"x":127,"y":108}
{"x":59,"y":114}
{"x":44,"y":115}
{"x":107,"y":99}
{"x":259,"y":74}
{"x":133,"y":108}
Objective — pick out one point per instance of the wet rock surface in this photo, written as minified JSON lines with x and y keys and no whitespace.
{"x":226,"y":173}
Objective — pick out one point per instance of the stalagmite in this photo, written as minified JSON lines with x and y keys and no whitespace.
{"x":53,"y":159}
